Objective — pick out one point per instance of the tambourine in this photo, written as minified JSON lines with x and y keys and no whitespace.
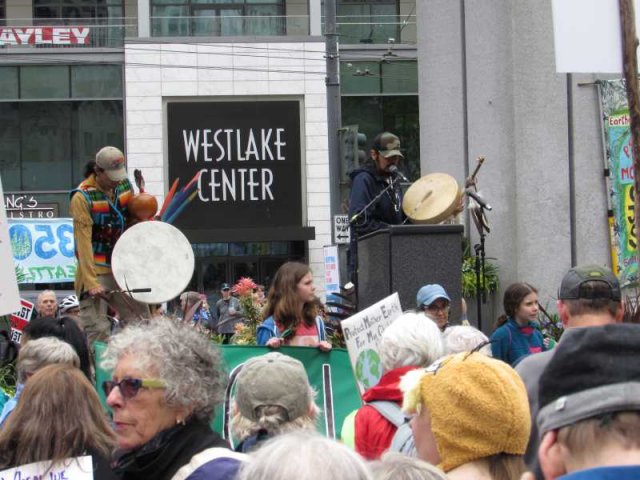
{"x":432,"y":198}
{"x":153,"y":255}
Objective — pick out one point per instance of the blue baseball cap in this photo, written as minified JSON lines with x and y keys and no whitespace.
{"x":429,"y":294}
{"x":225,"y":286}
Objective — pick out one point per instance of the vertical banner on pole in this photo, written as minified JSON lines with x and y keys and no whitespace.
{"x":617,"y":132}
{"x":331,"y":269}
{"x":9,"y":293}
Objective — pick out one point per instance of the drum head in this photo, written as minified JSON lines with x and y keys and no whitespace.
{"x":153,"y":255}
{"x":432,"y":198}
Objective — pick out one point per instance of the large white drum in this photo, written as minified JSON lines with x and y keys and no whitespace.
{"x":153,"y":255}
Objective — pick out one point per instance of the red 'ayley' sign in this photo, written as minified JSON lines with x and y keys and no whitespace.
{"x":44,"y":35}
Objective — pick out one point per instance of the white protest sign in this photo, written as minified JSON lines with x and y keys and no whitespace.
{"x":362,"y":334}
{"x":587,"y":35}
{"x":341,"y":229}
{"x":44,"y":249}
{"x":331,"y":269}
{"x":9,"y":293}
{"x":78,"y":468}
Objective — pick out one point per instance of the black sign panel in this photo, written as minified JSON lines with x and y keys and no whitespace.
{"x":249,"y":155}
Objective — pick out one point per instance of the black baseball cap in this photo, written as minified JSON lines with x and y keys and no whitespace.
{"x":225,"y":286}
{"x":573,"y":284}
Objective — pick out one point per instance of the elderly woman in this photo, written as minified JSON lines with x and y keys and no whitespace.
{"x":166,"y":380}
{"x":407,"y":344}
{"x":273,"y":396}
{"x":59,"y":417}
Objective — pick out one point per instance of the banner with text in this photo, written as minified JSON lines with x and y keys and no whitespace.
{"x":43,"y":249}
{"x":329,"y":374}
{"x":362,"y":334}
{"x":619,"y":154}
{"x":19,"y":319}
{"x":9,"y":293}
{"x":78,"y":468}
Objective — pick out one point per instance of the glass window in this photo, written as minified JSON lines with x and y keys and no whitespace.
{"x":72,"y":9}
{"x":96,"y":81}
{"x":9,"y":82}
{"x":360,"y":77}
{"x":386,"y":77}
{"x":371,"y":22}
{"x":3,"y":12}
{"x":10,"y":146}
{"x":399,"y":77}
{"x":44,"y":82}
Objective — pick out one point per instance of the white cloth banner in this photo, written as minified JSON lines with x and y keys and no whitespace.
{"x":9,"y":293}
{"x":44,"y":249}
{"x":78,"y":468}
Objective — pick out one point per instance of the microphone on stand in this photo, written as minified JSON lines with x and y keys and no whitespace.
{"x":394,"y":171}
{"x":481,"y":201}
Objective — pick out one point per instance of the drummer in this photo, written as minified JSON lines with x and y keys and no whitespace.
{"x":366,"y":183}
{"x":99,"y":210}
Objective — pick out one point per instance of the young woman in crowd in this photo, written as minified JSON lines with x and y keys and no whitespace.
{"x":291,"y":316}
{"x":58,"y":417}
{"x":518,"y":334}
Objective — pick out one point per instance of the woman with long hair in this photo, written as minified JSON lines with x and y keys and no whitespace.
{"x":291,"y":316}
{"x":518,"y":334}
{"x":59,"y":417}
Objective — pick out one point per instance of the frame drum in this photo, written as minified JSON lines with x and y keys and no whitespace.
{"x":154,"y":255}
{"x":432,"y":198}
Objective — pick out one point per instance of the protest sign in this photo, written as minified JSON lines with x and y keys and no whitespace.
{"x":329,"y":374}
{"x":19,"y":319}
{"x":44,"y":249}
{"x":9,"y":293}
{"x":331,"y":269}
{"x":78,"y":468}
{"x":362,"y":334}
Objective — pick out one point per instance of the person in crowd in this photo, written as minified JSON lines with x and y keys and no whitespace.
{"x":195,"y":310}
{"x":465,"y":338}
{"x":396,"y":466}
{"x":434,"y":301}
{"x":273,"y":396}
{"x":65,"y":329}
{"x":471,"y":416}
{"x":227,"y":314}
{"x":47,"y":304}
{"x":518,"y":333}
{"x":408,"y":343}
{"x":304,"y":454}
{"x":33,"y":356}
{"x":589,"y":398}
{"x":59,"y":417}
{"x":100,"y":215}
{"x":69,"y":306}
{"x":589,"y":296}
{"x":259,"y":298}
{"x":291,"y":316}
{"x":367,"y":182}
{"x":166,"y":380}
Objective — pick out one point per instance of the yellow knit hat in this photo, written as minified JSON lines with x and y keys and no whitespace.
{"x":478,"y":407}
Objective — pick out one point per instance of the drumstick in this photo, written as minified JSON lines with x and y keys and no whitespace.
{"x":426,"y":195}
{"x":472,"y":179}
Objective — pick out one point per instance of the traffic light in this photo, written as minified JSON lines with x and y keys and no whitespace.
{"x":352,"y":150}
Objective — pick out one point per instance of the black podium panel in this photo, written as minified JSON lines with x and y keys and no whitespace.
{"x":403,"y":258}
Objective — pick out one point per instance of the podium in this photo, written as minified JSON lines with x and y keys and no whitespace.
{"x":403,"y":258}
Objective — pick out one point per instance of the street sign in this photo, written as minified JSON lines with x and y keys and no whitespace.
{"x":341,"y":230}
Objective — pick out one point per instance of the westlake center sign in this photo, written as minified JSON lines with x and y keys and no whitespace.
{"x":249,"y":156}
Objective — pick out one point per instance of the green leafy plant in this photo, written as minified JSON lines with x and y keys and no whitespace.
{"x":469,"y":280}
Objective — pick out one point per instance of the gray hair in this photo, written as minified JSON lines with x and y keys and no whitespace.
{"x":397,"y":466}
{"x":38,"y":353}
{"x":412,"y":339}
{"x":183,"y":358}
{"x":45,"y":292}
{"x":465,"y":338}
{"x":286,"y":456}
{"x":273,"y":419}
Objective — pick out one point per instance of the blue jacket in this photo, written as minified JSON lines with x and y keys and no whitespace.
{"x":510,"y":344}
{"x":268,"y":329}
{"x":631,"y":472}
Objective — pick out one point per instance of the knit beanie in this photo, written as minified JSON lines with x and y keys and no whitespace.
{"x":478,"y":407}
{"x":594,"y":371}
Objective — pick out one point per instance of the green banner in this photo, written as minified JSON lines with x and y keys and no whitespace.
{"x":329,"y":373}
{"x":617,"y":132}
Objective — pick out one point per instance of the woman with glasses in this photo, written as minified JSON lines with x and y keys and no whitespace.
{"x":435,"y":303}
{"x":58,"y":418}
{"x":166,"y":379}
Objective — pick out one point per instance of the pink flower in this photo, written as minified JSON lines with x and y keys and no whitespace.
{"x":245,"y":286}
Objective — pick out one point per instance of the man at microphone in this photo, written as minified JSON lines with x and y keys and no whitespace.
{"x":377,"y":177}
